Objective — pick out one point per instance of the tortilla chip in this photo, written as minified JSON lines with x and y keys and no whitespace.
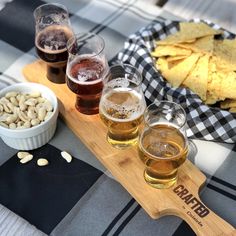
{"x":175,"y":38}
{"x":214,"y":83}
{"x":175,"y":58}
{"x":212,"y":66}
{"x":228,"y":86}
{"x":188,"y":33}
{"x":202,"y":45}
{"x":177,"y":73}
{"x":228,"y":103}
{"x":198,"y":78}
{"x":169,"y":50}
{"x":225,"y":54}
{"x":214,"y":87}
{"x":233,"y":109}
{"x":197,"y":30}
{"x":211,"y":98}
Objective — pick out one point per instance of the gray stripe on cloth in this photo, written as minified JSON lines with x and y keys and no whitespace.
{"x":73,"y":145}
{"x":221,"y":197}
{"x":13,"y":74}
{"x":12,"y":224}
{"x":84,"y":21}
{"x":136,"y":9}
{"x":6,"y":153}
{"x":122,"y":218}
{"x":227,"y":170}
{"x":72,"y":5}
{"x":142,"y":225}
{"x":9,"y":55}
{"x":220,"y":204}
{"x":110,"y":36}
{"x":126,"y":17}
{"x":101,"y":204}
{"x":226,"y":188}
{"x":114,"y":21}
{"x":112,"y":15}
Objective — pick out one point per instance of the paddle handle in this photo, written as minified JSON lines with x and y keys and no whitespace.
{"x":201,"y":219}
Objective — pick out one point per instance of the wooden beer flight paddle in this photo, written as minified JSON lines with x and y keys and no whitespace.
{"x":181,"y":200}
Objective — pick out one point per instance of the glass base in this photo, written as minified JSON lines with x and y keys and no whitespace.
{"x":56,"y":75}
{"x":87,"y":111}
{"x":122,"y":144}
{"x":160,"y":183}
{"x":88,"y":104}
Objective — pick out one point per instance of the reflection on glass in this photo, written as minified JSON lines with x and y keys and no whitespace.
{"x":52,"y":31}
{"x":122,"y":105}
{"x":163,"y":146}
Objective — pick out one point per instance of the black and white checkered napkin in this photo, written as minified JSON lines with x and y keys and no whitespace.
{"x":203,"y":122}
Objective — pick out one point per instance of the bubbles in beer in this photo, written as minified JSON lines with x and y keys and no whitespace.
{"x":54,"y":18}
{"x":122,"y":104}
{"x":86,"y":69}
{"x":119,"y":82}
{"x":53,"y":38}
{"x":163,"y":149}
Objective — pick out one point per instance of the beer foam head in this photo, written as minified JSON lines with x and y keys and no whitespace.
{"x":86,"y":69}
{"x":85,"y":75}
{"x":53,"y":38}
{"x":118,"y":82}
{"x":122,"y":105}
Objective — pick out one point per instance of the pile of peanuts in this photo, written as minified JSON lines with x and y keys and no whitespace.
{"x":24,"y":110}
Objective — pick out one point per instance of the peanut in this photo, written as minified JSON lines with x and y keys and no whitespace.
{"x":42,"y":113}
{"x":21,"y":155}
{"x":26,"y":159}
{"x":11,"y":94}
{"x":42,"y":162}
{"x":66,"y":156}
{"x":12,"y":126}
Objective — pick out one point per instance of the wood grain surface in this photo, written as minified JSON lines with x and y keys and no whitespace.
{"x":182,"y":199}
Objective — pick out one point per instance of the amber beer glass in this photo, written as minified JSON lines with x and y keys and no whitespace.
{"x":122,"y":105}
{"x":86,"y":72}
{"x":163,"y":146}
{"x":52,"y":31}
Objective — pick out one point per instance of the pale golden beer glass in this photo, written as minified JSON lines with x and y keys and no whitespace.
{"x":163,"y":145}
{"x":122,"y":105}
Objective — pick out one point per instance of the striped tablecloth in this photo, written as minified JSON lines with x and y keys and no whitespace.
{"x":83,"y":198}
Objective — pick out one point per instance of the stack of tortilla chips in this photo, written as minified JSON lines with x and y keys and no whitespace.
{"x":193,"y":58}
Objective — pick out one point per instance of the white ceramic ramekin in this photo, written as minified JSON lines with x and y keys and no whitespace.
{"x":37,"y":136}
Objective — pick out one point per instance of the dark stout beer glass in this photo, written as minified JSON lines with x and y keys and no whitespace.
{"x":86,"y":72}
{"x":52,"y":31}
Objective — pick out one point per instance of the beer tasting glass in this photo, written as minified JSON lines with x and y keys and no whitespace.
{"x":52,"y":31}
{"x":122,"y":105}
{"x":163,"y":145}
{"x":86,"y":71}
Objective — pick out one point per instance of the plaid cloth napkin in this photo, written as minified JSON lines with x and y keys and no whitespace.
{"x":91,"y":202}
{"x":203,"y":122}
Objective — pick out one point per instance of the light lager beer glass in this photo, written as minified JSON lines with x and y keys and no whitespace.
{"x":163,"y":146}
{"x":122,"y":105}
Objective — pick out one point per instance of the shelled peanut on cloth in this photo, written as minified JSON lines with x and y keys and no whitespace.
{"x":193,"y":58}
